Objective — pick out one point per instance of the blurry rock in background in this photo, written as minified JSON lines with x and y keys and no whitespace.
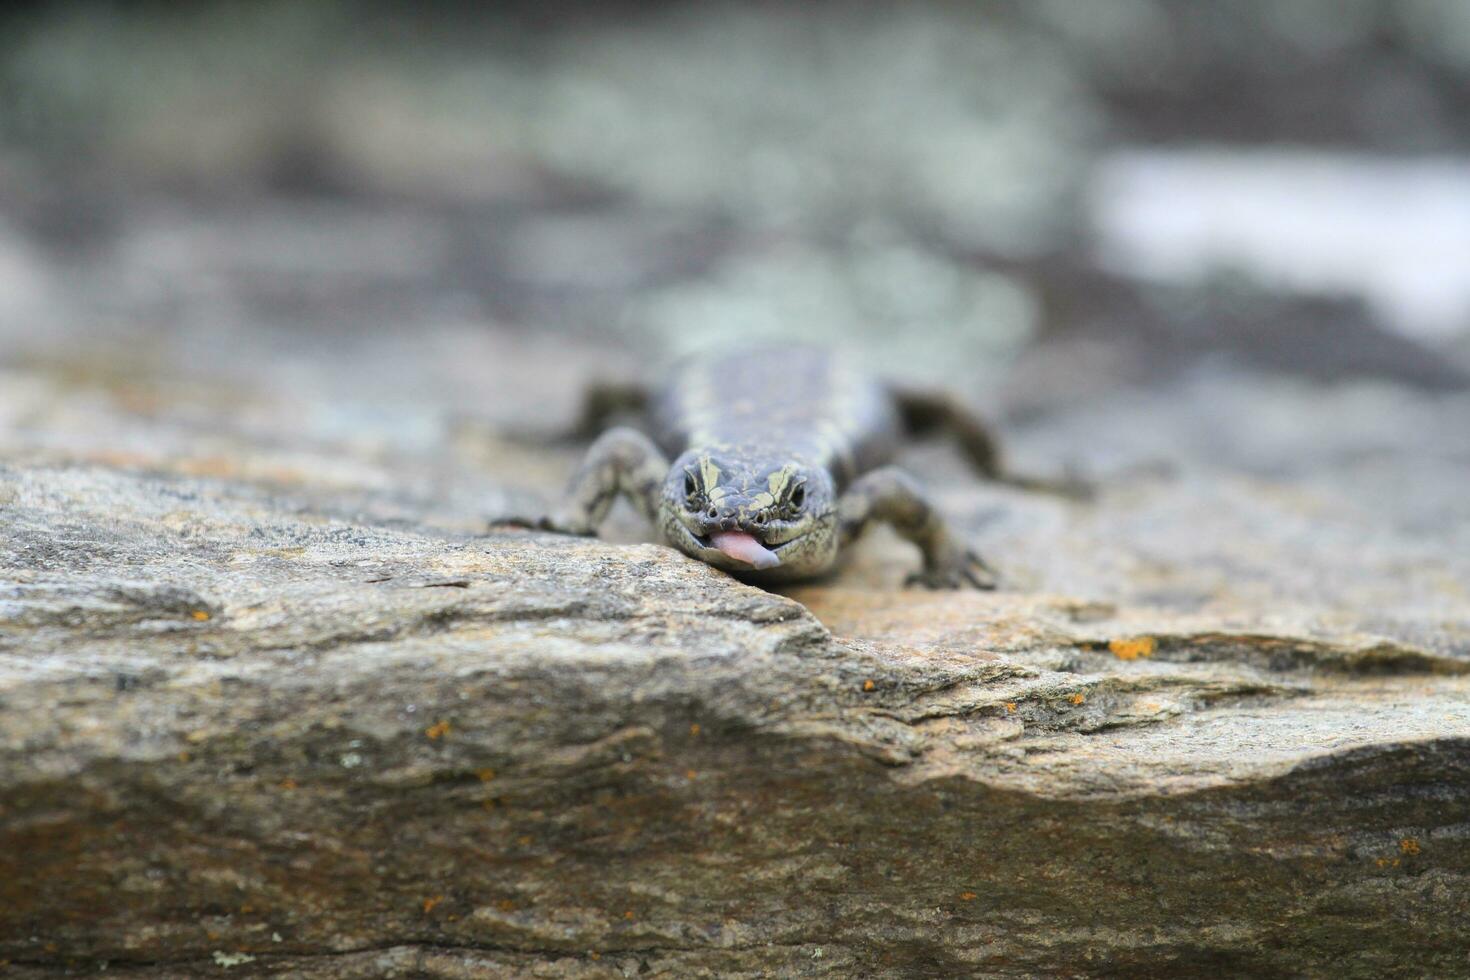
{"x":1056,"y":207}
{"x":1393,"y":233}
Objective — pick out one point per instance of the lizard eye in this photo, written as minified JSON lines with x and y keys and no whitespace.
{"x":690,"y":487}
{"x":798,"y":496}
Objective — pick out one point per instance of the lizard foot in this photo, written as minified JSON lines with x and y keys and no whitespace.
{"x":562,"y":524}
{"x":964,"y":570}
{"x":551,"y":522}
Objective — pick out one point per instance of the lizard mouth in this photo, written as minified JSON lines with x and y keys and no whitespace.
{"x":743,"y":547}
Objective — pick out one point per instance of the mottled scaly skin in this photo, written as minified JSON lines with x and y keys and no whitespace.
{"x":786,"y":445}
{"x":776,"y":407}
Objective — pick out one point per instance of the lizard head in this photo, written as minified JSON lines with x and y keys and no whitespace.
{"x":777,"y":518}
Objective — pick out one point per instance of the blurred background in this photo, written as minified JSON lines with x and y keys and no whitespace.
{"x":1139,"y":233}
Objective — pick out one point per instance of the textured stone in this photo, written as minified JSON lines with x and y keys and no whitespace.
{"x":267,"y":693}
{"x":275,"y":702}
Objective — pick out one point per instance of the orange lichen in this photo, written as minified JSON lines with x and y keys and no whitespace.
{"x":628,"y":914}
{"x":506,"y":905}
{"x":288,"y":783}
{"x":694,"y":729}
{"x":429,"y":903}
{"x":200,"y":615}
{"x":485,"y":774}
{"x":1409,"y":845}
{"x":869,"y":685}
{"x":1010,"y":707}
{"x":967,"y":896}
{"x":437,"y":730}
{"x":524,"y":841}
{"x":1077,"y":698}
{"x":1133,"y":648}
{"x":183,"y":757}
{"x":690,"y":774}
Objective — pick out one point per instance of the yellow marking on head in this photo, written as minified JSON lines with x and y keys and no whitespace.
{"x":778,"y":482}
{"x":709,"y":473}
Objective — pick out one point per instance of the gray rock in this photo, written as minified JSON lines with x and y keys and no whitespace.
{"x":275,"y":702}
{"x":272,"y":704}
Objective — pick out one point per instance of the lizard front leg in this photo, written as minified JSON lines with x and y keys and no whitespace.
{"x":622,"y":461}
{"x":890,"y":495}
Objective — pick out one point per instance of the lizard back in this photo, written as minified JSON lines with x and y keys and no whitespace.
{"x":803,"y":404}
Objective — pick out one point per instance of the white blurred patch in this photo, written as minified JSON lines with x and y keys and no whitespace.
{"x":1393,"y":232}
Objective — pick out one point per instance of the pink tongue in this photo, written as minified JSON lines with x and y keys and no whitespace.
{"x":743,"y":547}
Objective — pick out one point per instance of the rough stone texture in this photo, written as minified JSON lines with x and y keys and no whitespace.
{"x":266,"y":692}
{"x":274,"y":702}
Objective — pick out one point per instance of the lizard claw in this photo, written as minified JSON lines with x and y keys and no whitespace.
{"x":561,"y":524}
{"x":964,"y":570}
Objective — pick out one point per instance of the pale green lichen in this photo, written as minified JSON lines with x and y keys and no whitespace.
{"x":227,"y":960}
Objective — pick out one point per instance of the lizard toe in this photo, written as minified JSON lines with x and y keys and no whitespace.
{"x":967,"y":571}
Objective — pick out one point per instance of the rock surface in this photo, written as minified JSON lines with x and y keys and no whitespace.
{"x":281,"y":336}
{"x":273,"y":703}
